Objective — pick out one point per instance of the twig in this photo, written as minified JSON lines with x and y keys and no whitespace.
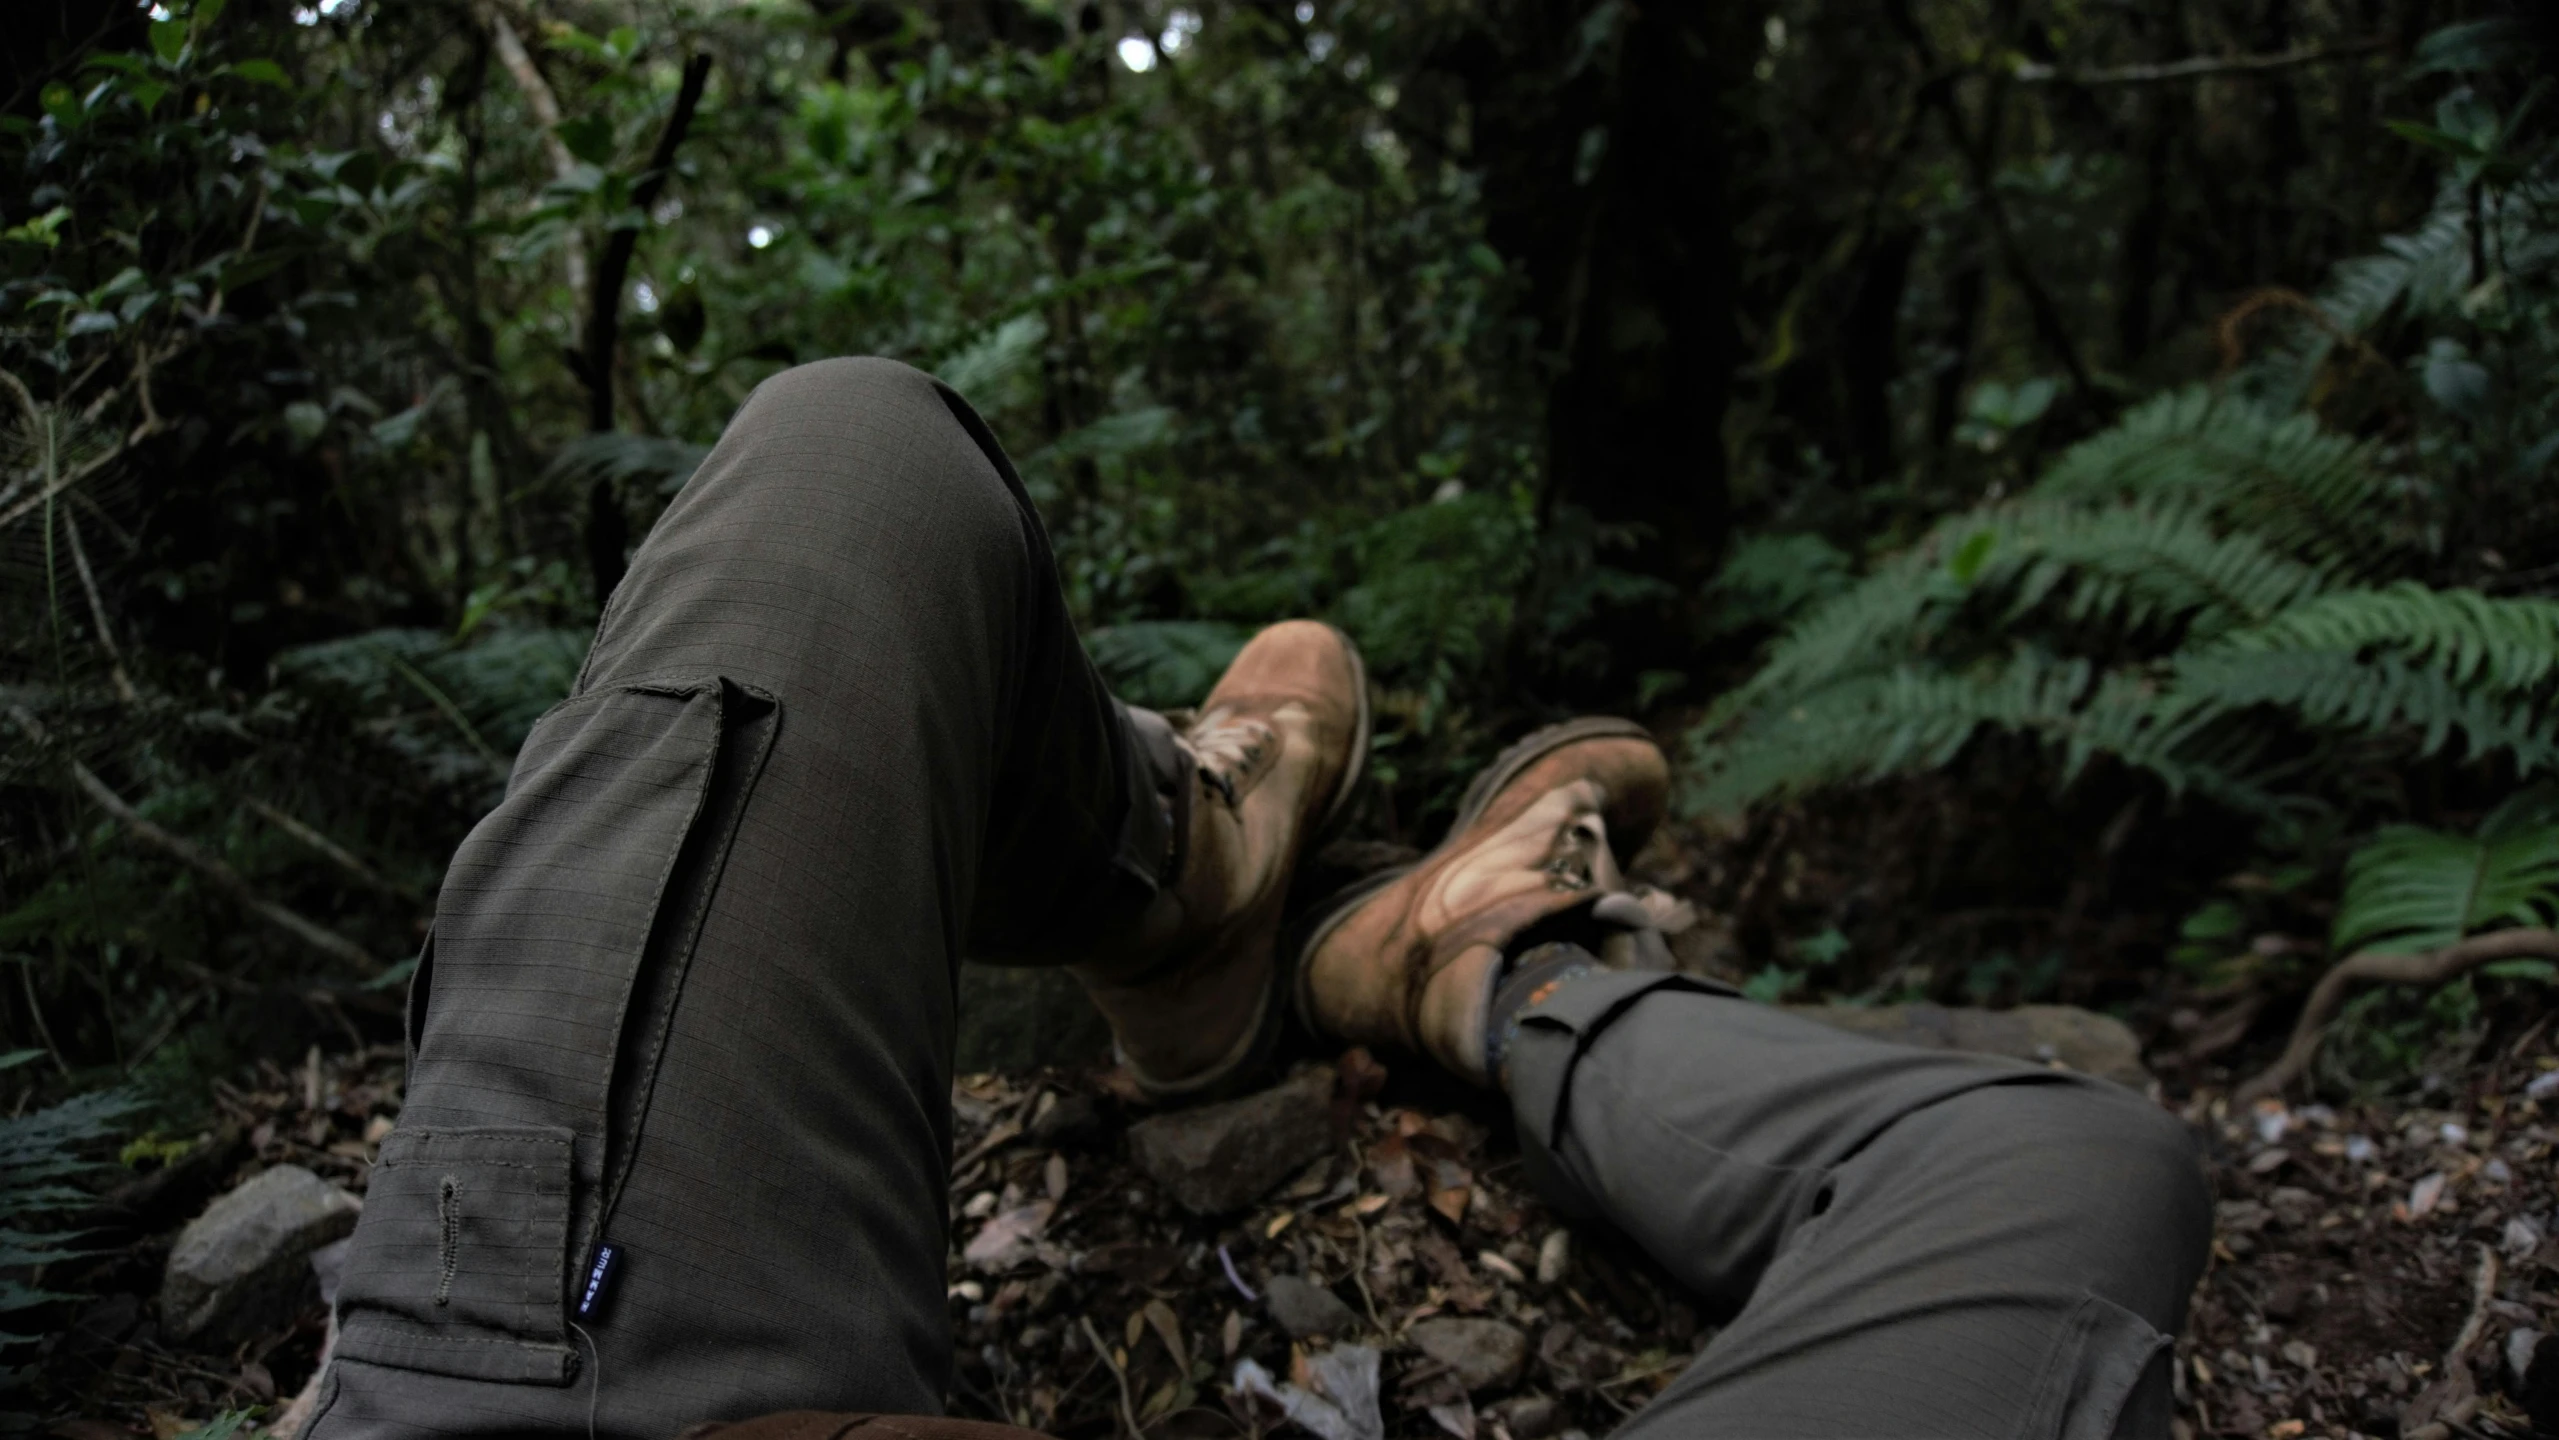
{"x":97,"y":609}
{"x":328,"y":848}
{"x":35,"y":1008}
{"x":317,"y":936}
{"x":2431,"y":967}
{"x":2483,"y":1288}
{"x":1119,"y":1372}
{"x":546,"y":113}
{"x":2029,"y":72}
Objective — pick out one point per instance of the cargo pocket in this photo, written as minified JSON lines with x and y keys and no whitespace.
{"x":2104,"y":1364}
{"x":536,"y":1016}
{"x":457,"y":1268}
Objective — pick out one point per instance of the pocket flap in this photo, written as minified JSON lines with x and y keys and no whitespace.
{"x":456,"y":1268}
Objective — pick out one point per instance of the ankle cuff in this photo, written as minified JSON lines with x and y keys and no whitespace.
{"x":1155,"y":836}
{"x":1527,"y":978}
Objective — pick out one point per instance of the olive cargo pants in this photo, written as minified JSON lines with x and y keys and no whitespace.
{"x":677,"y":1124}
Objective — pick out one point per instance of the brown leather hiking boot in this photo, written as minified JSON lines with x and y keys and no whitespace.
{"x":1277,"y":747}
{"x":1411,"y":956}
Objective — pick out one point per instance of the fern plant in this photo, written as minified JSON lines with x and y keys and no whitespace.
{"x":2210,"y":592}
{"x":2410,"y":889}
{"x":41,"y":1154}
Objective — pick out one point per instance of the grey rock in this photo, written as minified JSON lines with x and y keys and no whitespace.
{"x":1484,"y":1353}
{"x":1021,"y":1019}
{"x":1304,"y":1308}
{"x":2083,"y":1040}
{"x":1220,"y":1158}
{"x":239,"y":1268}
{"x":1530,"y":1417}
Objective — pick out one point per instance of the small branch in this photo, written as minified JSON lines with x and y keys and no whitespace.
{"x":316,"y":936}
{"x":2483,"y":1288}
{"x":2029,"y":72}
{"x":1981,"y":162}
{"x":328,"y":849}
{"x":607,"y":528}
{"x":604,"y":303}
{"x":546,"y":113}
{"x":2431,"y":967}
{"x":97,"y":609}
{"x":1119,"y":1372}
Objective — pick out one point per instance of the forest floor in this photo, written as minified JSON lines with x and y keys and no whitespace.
{"x":2370,"y":1269}
{"x":2376,"y":1270}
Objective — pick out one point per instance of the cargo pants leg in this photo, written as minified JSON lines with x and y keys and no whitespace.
{"x":677,"y":1129}
{"x":1908,"y":1242}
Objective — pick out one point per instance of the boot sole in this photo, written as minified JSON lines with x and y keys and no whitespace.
{"x":1536,"y":745}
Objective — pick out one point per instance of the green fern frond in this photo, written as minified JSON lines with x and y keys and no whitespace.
{"x":1918,"y":717}
{"x":1165,"y":663}
{"x":2302,"y":490}
{"x":2412,"y":889}
{"x":624,"y":458}
{"x":2143,"y":565}
{"x":2337,"y":692}
{"x":2504,"y":644}
{"x":1846,"y":635}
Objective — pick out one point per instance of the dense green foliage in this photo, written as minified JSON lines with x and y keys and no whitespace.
{"x":1881,"y":394}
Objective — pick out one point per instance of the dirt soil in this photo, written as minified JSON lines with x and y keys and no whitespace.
{"x":2369,"y":1268}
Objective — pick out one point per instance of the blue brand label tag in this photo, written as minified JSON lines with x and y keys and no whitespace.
{"x":598,"y":1273}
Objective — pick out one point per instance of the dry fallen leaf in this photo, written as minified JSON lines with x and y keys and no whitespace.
{"x":1168,"y":1328}
{"x":1452,"y":1203}
{"x":1285,"y":1219}
{"x":1053,"y":1176}
{"x":1390,"y":1161}
{"x":1233,"y":1335}
{"x":1370,"y":1204}
{"x":1007,"y":1239}
{"x":1492,"y":1260}
{"x":2425,"y":1195}
{"x":1553,"y":1255}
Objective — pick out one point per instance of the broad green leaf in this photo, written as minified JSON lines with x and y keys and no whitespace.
{"x":262,"y":72}
{"x":169,"y":39}
{"x":589,"y":137}
{"x":1972,"y":555}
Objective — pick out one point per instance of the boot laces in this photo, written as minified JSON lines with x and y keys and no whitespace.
{"x":1225,"y":748}
{"x":1572,"y":859}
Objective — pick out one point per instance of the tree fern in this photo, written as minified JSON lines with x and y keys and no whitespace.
{"x":2302,"y":490}
{"x":2509,"y":645}
{"x":2412,"y":889}
{"x":2115,"y":569}
{"x":2343,"y":695}
{"x":41,"y":1153}
{"x":1919,"y":717}
{"x":2197,"y":561}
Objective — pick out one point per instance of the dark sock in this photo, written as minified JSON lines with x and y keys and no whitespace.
{"x":1528,"y":976}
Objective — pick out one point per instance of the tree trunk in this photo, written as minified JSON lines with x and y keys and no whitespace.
{"x":1604,"y":186}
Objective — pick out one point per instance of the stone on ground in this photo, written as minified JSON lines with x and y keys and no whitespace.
{"x":1485,"y":1353}
{"x":1220,"y":1158}
{"x":2083,"y":1040}
{"x":238,"y":1270}
{"x":1304,"y":1308}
